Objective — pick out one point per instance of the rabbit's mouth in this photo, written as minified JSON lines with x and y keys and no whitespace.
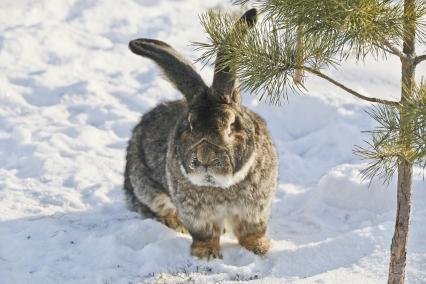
{"x":210,"y":179}
{"x":202,"y":178}
{"x":205,"y":177}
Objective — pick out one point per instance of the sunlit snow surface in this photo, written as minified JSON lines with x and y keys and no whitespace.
{"x":70,"y":93}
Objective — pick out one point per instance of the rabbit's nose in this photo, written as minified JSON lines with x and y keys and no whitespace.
{"x":205,"y":156}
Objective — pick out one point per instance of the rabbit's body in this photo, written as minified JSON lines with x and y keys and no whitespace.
{"x":197,"y":163}
{"x":145,"y":175}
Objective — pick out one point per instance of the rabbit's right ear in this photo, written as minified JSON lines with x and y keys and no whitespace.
{"x":177,"y":69}
{"x":224,"y":80}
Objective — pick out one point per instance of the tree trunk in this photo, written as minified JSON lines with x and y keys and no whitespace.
{"x":400,"y":237}
{"x":405,"y":185}
{"x":405,"y":167}
{"x":298,"y":77}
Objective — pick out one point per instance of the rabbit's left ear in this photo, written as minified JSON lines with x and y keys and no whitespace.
{"x":224,"y":80}
{"x":177,"y":69}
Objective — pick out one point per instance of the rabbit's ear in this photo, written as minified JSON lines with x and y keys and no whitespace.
{"x":177,"y":69}
{"x":224,"y":80}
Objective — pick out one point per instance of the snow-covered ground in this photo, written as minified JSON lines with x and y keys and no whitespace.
{"x":70,"y":93}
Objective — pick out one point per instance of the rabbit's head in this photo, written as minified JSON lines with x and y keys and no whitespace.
{"x":215,"y":142}
{"x":215,"y":139}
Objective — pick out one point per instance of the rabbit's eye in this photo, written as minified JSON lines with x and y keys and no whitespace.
{"x":235,"y":126}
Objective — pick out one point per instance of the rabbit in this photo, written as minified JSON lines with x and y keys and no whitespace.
{"x":198,"y":163}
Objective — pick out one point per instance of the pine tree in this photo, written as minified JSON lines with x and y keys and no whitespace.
{"x":307,"y":37}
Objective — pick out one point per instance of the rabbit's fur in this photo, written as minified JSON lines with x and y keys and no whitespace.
{"x":197,"y":163}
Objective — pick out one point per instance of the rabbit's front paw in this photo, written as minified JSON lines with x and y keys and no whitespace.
{"x":255,"y":243}
{"x":206,"y":250}
{"x":173,"y":222}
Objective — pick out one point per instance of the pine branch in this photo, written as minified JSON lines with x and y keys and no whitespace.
{"x":357,"y":28}
{"x":387,"y":145}
{"x":419,"y":59}
{"x":394,"y":50}
{"x":385,"y":49}
{"x":351,"y":91}
{"x":267,"y":61}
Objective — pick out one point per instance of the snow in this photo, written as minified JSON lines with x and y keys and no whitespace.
{"x":70,"y":93}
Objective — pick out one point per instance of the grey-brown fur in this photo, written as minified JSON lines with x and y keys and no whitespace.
{"x":198,"y":163}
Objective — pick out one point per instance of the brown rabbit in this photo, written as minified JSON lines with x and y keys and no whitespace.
{"x":197,"y":163}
